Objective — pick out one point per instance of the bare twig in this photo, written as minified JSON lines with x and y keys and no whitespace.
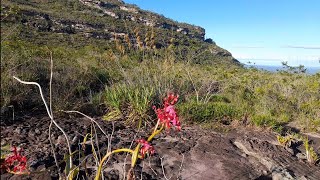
{"x":180,"y":169}
{"x":142,"y":170}
{"x":194,"y":87}
{"x":164,"y":174}
{"x":34,"y":83}
{"x":151,"y":167}
{"x":110,"y":138}
{"x":50,"y":84}
{"x":89,"y":119}
{"x":98,"y":157}
{"x":97,"y":141}
{"x":50,"y":106}
{"x":98,"y":149}
{"x":49,"y":114}
{"x":79,"y":157}
{"x":125,"y":159}
{"x":93,"y":149}
{"x":52,"y":148}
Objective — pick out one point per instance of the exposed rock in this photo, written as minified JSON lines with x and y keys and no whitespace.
{"x":194,"y":153}
{"x":115,"y":17}
{"x":281,"y":174}
{"x":132,"y":10}
{"x":101,"y":6}
{"x":301,"y":156}
{"x":107,"y":7}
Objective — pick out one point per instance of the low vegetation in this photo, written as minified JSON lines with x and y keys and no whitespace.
{"x":126,"y":82}
{"x":126,"y":85}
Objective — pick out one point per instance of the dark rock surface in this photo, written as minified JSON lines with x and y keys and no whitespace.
{"x":193,"y":153}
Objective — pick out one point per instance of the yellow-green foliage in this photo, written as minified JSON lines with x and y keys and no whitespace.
{"x":80,"y":75}
{"x":285,"y":141}
{"x":311,"y":155}
{"x":132,"y":78}
{"x":130,"y":102}
{"x":206,"y":112}
{"x":4,"y":151}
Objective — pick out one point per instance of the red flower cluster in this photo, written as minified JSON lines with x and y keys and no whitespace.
{"x":146,"y":148}
{"x":168,"y":115}
{"x":15,"y":162}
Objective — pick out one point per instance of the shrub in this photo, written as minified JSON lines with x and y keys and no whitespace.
{"x":129,"y":102}
{"x":206,"y":112}
{"x":265,"y":120}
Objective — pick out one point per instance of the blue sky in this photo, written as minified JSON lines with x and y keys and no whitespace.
{"x":259,"y":30}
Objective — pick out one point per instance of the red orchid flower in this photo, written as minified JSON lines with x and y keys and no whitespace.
{"x":15,"y":162}
{"x":146,"y":148}
{"x":171,"y":99}
{"x":168,"y":115}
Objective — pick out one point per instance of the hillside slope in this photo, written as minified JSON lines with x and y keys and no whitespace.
{"x":98,"y":22}
{"x":84,"y":37}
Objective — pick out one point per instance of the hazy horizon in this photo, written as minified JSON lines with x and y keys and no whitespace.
{"x":278,"y":62}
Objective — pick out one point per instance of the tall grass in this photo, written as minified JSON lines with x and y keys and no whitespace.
{"x":131,"y":103}
{"x":211,"y":93}
{"x":128,"y":84}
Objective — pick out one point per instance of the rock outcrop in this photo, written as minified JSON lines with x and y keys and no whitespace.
{"x":105,"y":20}
{"x":193,"y":153}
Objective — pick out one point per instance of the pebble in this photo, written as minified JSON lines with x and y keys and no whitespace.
{"x":42,"y":167}
{"x":301,"y":156}
{"x":17,"y":130}
{"x":244,"y":155}
{"x":37,"y":131}
{"x":291,"y":151}
{"x":279,"y":173}
{"x":3,"y":142}
{"x":303,"y":178}
{"x":31,"y":134}
{"x":75,"y":139}
{"x":46,"y":141}
{"x":60,"y":140}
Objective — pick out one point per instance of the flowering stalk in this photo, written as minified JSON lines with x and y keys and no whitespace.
{"x":155,"y":132}
{"x":106,"y":157}
{"x":167,"y":117}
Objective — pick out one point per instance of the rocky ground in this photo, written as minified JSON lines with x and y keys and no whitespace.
{"x":193,"y":153}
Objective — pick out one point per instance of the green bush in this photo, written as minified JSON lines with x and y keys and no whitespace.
{"x":211,"y":87}
{"x":132,"y":103}
{"x":264,"y":120}
{"x":206,"y":112}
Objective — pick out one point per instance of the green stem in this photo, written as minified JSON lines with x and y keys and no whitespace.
{"x":135,"y":152}
{"x":155,"y":133}
{"x":105,"y":158}
{"x":135,"y":155}
{"x":156,"y":126}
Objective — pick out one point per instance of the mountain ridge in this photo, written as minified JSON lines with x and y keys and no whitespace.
{"x":44,"y":21}
{"x":88,"y":40}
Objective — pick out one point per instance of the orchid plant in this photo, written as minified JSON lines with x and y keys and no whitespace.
{"x":15,"y":162}
{"x":167,"y":118}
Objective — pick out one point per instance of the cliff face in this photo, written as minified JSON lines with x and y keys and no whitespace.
{"x":78,"y":22}
{"x":120,"y":10}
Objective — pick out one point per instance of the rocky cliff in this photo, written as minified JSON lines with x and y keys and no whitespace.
{"x":83,"y":22}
